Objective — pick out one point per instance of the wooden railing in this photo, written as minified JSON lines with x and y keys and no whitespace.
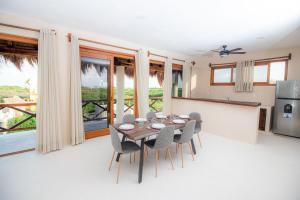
{"x":17,"y":107}
{"x":95,"y":112}
{"x":155,"y":104}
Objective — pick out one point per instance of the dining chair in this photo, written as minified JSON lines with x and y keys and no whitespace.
{"x":126,"y":147}
{"x":163,"y":141}
{"x":185,"y":138}
{"x":150,"y":115}
{"x":128,"y":118}
{"x":196,"y":116}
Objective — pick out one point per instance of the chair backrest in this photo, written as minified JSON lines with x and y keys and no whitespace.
{"x":196,"y":116}
{"x":165,"y":137}
{"x":128,"y":118}
{"x":150,"y":116}
{"x":188,"y":131}
{"x":115,"y":140}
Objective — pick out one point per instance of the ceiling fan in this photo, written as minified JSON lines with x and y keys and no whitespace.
{"x":225,"y":52}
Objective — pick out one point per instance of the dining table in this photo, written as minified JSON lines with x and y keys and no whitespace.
{"x":143,"y":130}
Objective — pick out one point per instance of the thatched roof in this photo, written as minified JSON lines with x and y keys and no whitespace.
{"x":18,"y":59}
{"x":18,"y":52}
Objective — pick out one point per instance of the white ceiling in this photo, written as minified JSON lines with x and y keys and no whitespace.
{"x":187,"y":26}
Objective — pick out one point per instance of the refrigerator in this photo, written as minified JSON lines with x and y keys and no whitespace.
{"x":286,"y":118}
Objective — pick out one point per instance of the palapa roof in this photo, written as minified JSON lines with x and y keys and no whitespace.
{"x":18,"y":52}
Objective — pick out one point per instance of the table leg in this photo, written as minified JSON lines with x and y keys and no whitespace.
{"x":118,"y":156}
{"x":141,"y":165}
{"x":193,"y":146}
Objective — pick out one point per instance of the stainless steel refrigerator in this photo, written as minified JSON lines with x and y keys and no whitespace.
{"x":286,"y":118}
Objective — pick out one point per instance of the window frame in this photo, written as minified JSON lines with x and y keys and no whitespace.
{"x":268,"y":63}
{"x":257,"y":63}
{"x":176,"y":67}
{"x":222,"y":66}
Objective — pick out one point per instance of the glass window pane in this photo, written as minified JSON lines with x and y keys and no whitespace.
{"x":222,"y":75}
{"x":94,"y":93}
{"x":277,"y":71}
{"x":261,"y":73}
{"x":176,"y":83}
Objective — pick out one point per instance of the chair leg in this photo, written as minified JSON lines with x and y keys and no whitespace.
{"x":119,"y":168}
{"x":134,"y":157}
{"x":180,"y":145}
{"x":170,"y":157}
{"x":176,"y":148}
{"x":166,"y":154}
{"x":199,"y":140}
{"x":156,"y":162}
{"x":158,"y":157}
{"x":113,"y":156}
{"x":130,"y":158}
{"x":191,"y":150}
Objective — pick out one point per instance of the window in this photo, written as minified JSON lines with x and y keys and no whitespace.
{"x":268,"y":72}
{"x":156,"y":79}
{"x":176,"y":80}
{"x":223,"y":74}
{"x":260,"y":74}
{"x":18,"y":93}
{"x":265,"y":73}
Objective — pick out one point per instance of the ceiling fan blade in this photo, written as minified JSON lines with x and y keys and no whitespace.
{"x":237,"y":49}
{"x":237,"y":52}
{"x":215,"y":51}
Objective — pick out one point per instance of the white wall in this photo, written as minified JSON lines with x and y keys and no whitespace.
{"x":264,"y":94}
{"x":64,"y":53}
{"x":226,"y":120}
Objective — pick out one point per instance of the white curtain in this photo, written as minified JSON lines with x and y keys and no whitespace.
{"x":167,"y":87}
{"x":120,"y":74}
{"x":77,"y":131}
{"x":142,"y":74}
{"x":49,"y":129}
{"x":186,"y":80}
{"x":244,"y":76}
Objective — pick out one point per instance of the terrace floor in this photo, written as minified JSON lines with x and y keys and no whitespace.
{"x":223,"y":169}
{"x":17,"y":141}
{"x":23,"y":140}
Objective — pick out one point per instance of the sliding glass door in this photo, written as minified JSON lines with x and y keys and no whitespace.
{"x":96,"y":92}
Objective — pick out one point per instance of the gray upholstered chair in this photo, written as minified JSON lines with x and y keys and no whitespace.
{"x":128,"y":118}
{"x":163,"y":141}
{"x":196,"y":116}
{"x":126,"y":147}
{"x":150,"y":116}
{"x":185,"y":137}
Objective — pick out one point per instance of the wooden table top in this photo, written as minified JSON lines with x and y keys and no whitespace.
{"x":143,"y":130}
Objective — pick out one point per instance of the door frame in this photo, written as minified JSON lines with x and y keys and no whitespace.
{"x":92,"y":52}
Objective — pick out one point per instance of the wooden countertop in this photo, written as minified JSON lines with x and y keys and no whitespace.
{"x":240,"y":103}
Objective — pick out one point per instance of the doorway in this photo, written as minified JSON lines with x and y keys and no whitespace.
{"x":99,"y":90}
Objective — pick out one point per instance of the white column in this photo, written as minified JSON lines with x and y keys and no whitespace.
{"x":120,"y":74}
{"x":142,"y":74}
{"x":167,"y":87}
{"x":186,"y":80}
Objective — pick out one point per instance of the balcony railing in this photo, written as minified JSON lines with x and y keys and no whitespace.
{"x":92,"y":110}
{"x":10,"y":110}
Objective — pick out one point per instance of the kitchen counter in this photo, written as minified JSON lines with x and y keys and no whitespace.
{"x":240,"y":103}
{"x":231,"y":119}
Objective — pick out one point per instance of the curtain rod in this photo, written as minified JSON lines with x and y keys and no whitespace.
{"x":23,"y":27}
{"x":166,"y":57}
{"x":102,"y":43}
{"x":288,"y":57}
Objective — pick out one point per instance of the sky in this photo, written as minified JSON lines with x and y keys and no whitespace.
{"x":11,"y":76}
{"x":92,"y":79}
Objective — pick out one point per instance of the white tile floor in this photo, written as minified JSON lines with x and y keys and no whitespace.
{"x":223,"y":169}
